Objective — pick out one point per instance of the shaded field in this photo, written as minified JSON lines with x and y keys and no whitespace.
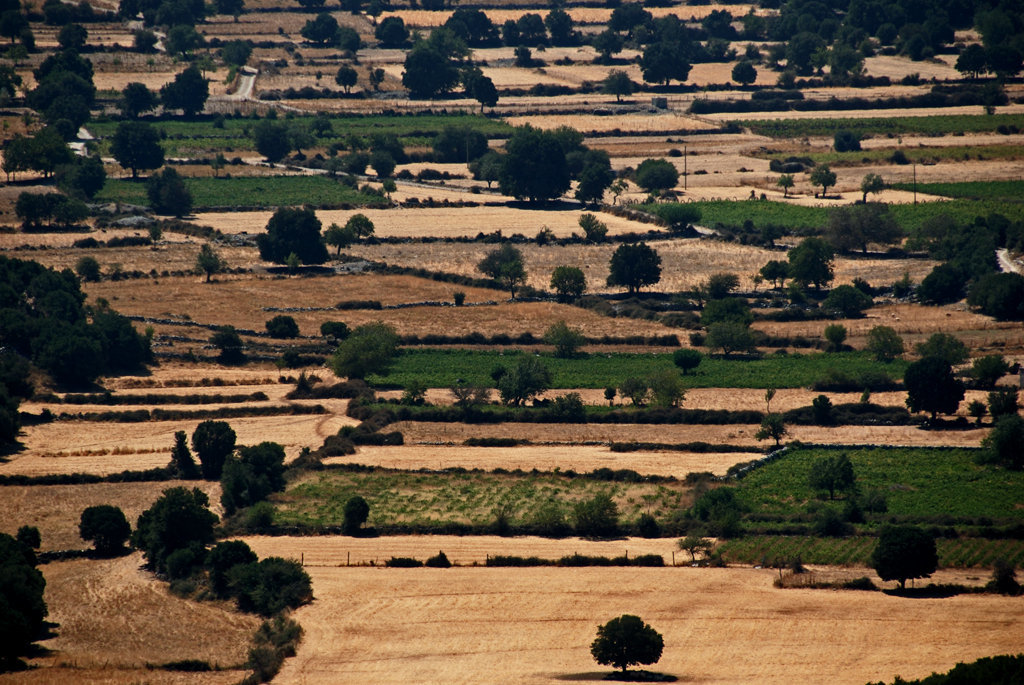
{"x":720,"y":625}
{"x":545,"y":458}
{"x":432,"y":500}
{"x":113,"y":615}
{"x":930,"y":485}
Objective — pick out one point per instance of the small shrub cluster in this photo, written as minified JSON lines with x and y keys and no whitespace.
{"x":577,"y":560}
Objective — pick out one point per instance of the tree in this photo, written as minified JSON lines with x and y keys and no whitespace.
{"x":776,"y":271}
{"x":636,"y":389}
{"x":1000,"y":295}
{"x":356,"y":513}
{"x":346,"y":77}
{"x":835,"y":334}
{"x":168,"y":193}
{"x":340,"y":237}
{"x":597,"y":517}
{"x":430,"y":70}
{"x":729,"y":336}
{"x":223,"y":557}
{"x":832,"y":473}
{"x":732,"y":309}
{"x":744,"y":73}
{"x":213,"y":441}
{"x":370,"y":348}
{"x":1004,"y":445}
{"x":664,"y":61}
{"x":182,"y":462}
{"x":847,"y":301}
{"x":22,"y":605}
{"x":106,"y":527}
{"x":855,"y":226}
{"x":687,"y":359}
{"x":986,"y":371}
{"x":136,"y":146}
{"x":293,"y":231}
{"x":209,"y":262}
{"x":88,"y":269}
{"x":618,"y":83}
{"x":594,"y":177}
{"x":524,"y":381}
{"x":823,"y":176}
{"x":227,"y":340}
{"x":178,"y":520}
{"x":382,"y":162}
{"x":695,"y":544}
{"x":481,"y":88}
{"x":391,"y":32}
{"x":29,"y":536}
{"x":885,"y":343}
{"x":719,"y":285}
{"x":72,"y":37}
{"x":187,"y":92}
{"x":627,"y":641}
{"x":845,"y":141}
{"x":972,"y":60}
{"x":270,"y":586}
{"x":249,"y":478}
{"x":505,"y":265}
{"x":666,"y":388}
{"x":1003,"y":402}
{"x":811,"y":262}
{"x":655,"y":175}
{"x":785,"y":182}
{"x":282,"y":326}
{"x":931,"y":387}
{"x":594,"y":229}
{"x":322,"y":30}
{"x":607,"y":43}
{"x":232,"y":8}
{"x":271,"y":140}
{"x":633,"y":266}
{"x":136,"y":98}
{"x":945,"y":284}
{"x":871,"y":183}
{"x":946,"y":347}
{"x":534,"y":166}
{"x":565,"y":340}
{"x":772,"y":426}
{"x":569,"y":282}
{"x":904,"y":552}
{"x":83,"y":178}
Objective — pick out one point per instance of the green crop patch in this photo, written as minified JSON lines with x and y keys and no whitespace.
{"x":437,"y":368}
{"x":997,"y":191}
{"x":937,"y":125}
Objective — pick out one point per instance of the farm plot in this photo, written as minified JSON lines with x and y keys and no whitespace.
{"x":546,"y":458}
{"x":669,"y":122}
{"x":720,"y":625}
{"x":114,"y":618}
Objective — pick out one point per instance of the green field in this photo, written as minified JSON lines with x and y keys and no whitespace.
{"x":249,"y":191}
{"x":434,"y":500}
{"x":199,"y":138}
{"x":443,"y":368}
{"x":938,"y":125}
{"x":919,"y":155}
{"x":933,"y":486}
{"x":797,"y":217}
{"x":954,"y":552}
{"x":990,"y":191}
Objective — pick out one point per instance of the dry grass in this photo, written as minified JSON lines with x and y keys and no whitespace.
{"x":55,"y":509}
{"x":545,"y":458}
{"x":940,"y":68}
{"x":653,"y":123}
{"x":113,"y":615}
{"x":535,"y":626}
{"x":584,"y":15}
{"x":734,"y":434}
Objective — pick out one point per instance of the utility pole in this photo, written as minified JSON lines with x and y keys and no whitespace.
{"x":684,"y":166}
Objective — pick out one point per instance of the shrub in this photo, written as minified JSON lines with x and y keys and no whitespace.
{"x":106,"y":526}
{"x":439,"y":560}
{"x":283,"y":326}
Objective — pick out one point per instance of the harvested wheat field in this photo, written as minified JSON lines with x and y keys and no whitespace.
{"x":55,"y":509}
{"x":438,"y":222}
{"x":669,"y":122}
{"x":733,"y":434}
{"x":545,"y":458}
{"x":114,"y":617}
{"x":720,"y":625}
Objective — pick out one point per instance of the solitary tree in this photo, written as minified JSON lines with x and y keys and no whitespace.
{"x":524,"y":381}
{"x":695,"y":544}
{"x":871,"y":183}
{"x":687,"y":359}
{"x":356,"y":513}
{"x":932,"y":387}
{"x":885,"y":343}
{"x":293,"y":231}
{"x":209,"y":262}
{"x":811,"y":262}
{"x":505,"y":265}
{"x":594,"y":229}
{"x":772,"y":426}
{"x":346,"y":77}
{"x":1005,"y":444}
{"x":565,"y":340}
{"x":187,"y":92}
{"x":832,"y":473}
{"x":168,"y":193}
{"x":785,"y":181}
{"x":568,"y":282}
{"x":617,"y":83}
{"x":946,"y":347}
{"x":854,"y":227}
{"x":136,"y":98}
{"x":627,"y":641}
{"x":634,"y":265}
{"x":213,"y":441}
{"x":370,"y":348}
{"x":776,"y":271}
{"x":656,"y":174}
{"x":744,"y":73}
{"x":823,"y":176}
{"x":272,"y":140}
{"x":904,"y":552}
{"x":227,"y":340}
{"x":597,"y":517}
{"x":106,"y":527}
{"x":987,"y":370}
{"x":136,"y":145}
{"x":179,"y":520}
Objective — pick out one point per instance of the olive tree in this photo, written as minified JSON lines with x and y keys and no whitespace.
{"x":106,"y":527}
{"x":505,"y":265}
{"x":904,"y":552}
{"x":370,"y":348}
{"x":627,"y":641}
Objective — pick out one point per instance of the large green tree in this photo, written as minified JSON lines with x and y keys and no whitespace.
{"x":505,"y":265}
{"x":213,"y":441}
{"x":293,"y":231}
{"x":187,"y":92}
{"x":180,"y":519}
{"x":932,"y":387}
{"x":634,"y":265}
{"x":626,"y":641}
{"x":370,"y":348}
{"x":811,"y":262}
{"x":106,"y":527}
{"x":22,"y":605}
{"x":904,"y":552}
{"x":832,"y":473}
{"x":136,"y":146}
{"x":534,"y":166}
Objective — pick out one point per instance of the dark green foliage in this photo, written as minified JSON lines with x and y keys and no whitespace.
{"x":29,"y":536}
{"x":634,"y":265}
{"x":822,"y":409}
{"x":136,"y":98}
{"x":22,"y":607}
{"x":729,"y":337}
{"x":524,"y":381}
{"x":718,"y":512}
{"x":654,"y":175}
{"x":272,"y":140}
{"x":236,"y":52}
{"x":459,"y":144}
{"x":293,"y":231}
{"x":904,"y":552}
{"x":687,"y":359}
{"x":83,"y":178}
{"x":931,"y":387}
{"x":884,"y":343}
{"x":999,"y":295}
{"x":647,"y":526}
{"x":832,"y":473}
{"x":179,"y":519}
{"x":626,"y":641}
{"x":505,"y":265}
{"x":136,"y":146}
{"x":371,"y":348}
{"x":106,"y":527}
{"x":945,"y":284}
{"x":987,"y":370}
{"x":439,"y":560}
{"x":1005,"y":444}
{"x":282,"y":326}
{"x":569,"y":282}
{"x":257,"y":472}
{"x":565,"y":340}
{"x":270,"y":586}
{"x":534,"y":166}
{"x":811,"y":262}
{"x":334,"y":329}
{"x":322,"y":30}
{"x":223,"y":557}
{"x":991,"y":670}
{"x":168,"y":194}
{"x":230,"y":345}
{"x":597,"y":517}
{"x":391,"y":32}
{"x":846,"y":141}
{"x":944,"y":346}
{"x":847,"y":302}
{"x":728,"y":309}
{"x":181,"y":458}
{"x":356,"y":513}
{"x":213,"y":441}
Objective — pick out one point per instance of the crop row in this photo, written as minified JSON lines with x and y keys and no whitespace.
{"x":929,"y":125}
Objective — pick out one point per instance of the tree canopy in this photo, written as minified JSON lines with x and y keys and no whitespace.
{"x":178,"y":520}
{"x":369,"y":348}
{"x":932,"y":387}
{"x":534,"y":166}
{"x":505,"y":265}
{"x":627,"y":641}
{"x":293,"y":231}
{"x":634,"y":265}
{"x":136,"y":146}
{"x":106,"y":527}
{"x":904,"y":552}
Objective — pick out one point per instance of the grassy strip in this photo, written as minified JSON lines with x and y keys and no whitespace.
{"x":142,"y":415}
{"x":461,"y":499}
{"x":250,"y":191}
{"x":916,"y":154}
{"x":943,"y":124}
{"x":1000,"y":191}
{"x":953,"y":553}
{"x":928,"y":485}
{"x":796,"y":217}
{"x":437,"y":368}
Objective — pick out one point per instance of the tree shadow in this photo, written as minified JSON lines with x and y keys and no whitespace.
{"x":629,"y":677}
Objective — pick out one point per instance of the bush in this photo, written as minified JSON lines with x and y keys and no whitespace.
{"x":597,"y":517}
{"x":439,"y":560}
{"x":270,"y":586}
{"x":106,"y":526}
{"x":282,"y":326}
{"x":403,"y":562}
